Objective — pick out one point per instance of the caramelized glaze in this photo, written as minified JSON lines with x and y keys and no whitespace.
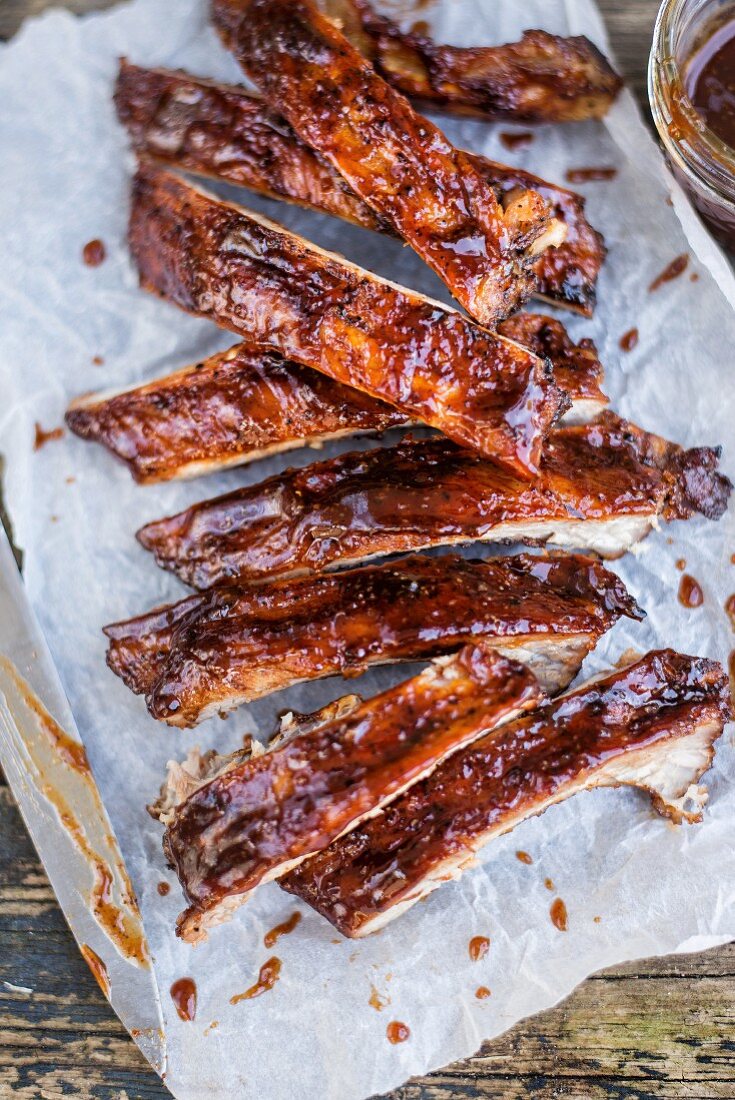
{"x":513,"y":772}
{"x":247,"y":642}
{"x":577,"y":368}
{"x":247,"y":274}
{"x":672,"y":271}
{"x":264,"y":815}
{"x":184,"y":995}
{"x":268,"y":975}
{"x":523,"y":857}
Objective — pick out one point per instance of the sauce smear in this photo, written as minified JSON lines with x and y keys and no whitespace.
{"x":711,"y":82}
{"x":42,"y":438}
{"x":479,"y":947}
{"x":269,"y":974}
{"x":376,"y":1000}
{"x":397,"y":1032}
{"x":583,"y":175}
{"x":281,"y":930}
{"x":94,"y":253}
{"x":98,"y":968}
{"x":673,"y":270}
{"x":629,"y":339}
{"x":558,"y":914}
{"x":690,"y":592}
{"x":184,"y":996}
{"x":524,"y":857}
{"x":513,"y":139}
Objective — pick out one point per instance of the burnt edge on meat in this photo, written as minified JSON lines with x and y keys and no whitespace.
{"x":210,"y":653}
{"x":224,"y":132}
{"x":602,"y":487}
{"x":666,"y":709}
{"x":247,"y":274}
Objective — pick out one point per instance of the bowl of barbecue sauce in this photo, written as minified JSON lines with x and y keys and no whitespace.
{"x":691,"y":81}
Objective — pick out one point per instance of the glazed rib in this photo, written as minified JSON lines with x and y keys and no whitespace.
{"x":602,"y":487}
{"x":264,"y":816}
{"x":541,"y":78}
{"x":251,"y":276}
{"x":243,"y":404}
{"x":398,"y":162}
{"x":651,"y":725}
{"x":223,"y":132}
{"x":233,"y":645}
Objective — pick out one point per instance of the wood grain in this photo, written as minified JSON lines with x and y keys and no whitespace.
{"x":660,"y":1029}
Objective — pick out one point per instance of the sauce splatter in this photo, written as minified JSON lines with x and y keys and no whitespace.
{"x":482,"y":992}
{"x":163,"y":889}
{"x":629,"y":339}
{"x":694,"y":277}
{"x":281,"y":930}
{"x":184,"y":996}
{"x":94,"y":253}
{"x":681,"y":564}
{"x":558,"y":914}
{"x":549,"y":884}
{"x":97,"y":360}
{"x":597,"y":920}
{"x":730,"y":609}
{"x":673,"y":270}
{"x":268,"y":975}
{"x":583,"y":175}
{"x":377,"y":1000}
{"x":42,"y":438}
{"x":397,"y":1032}
{"x":98,"y":968}
{"x":523,"y":857}
{"x":513,"y":139}
{"x":479,"y":947}
{"x":690,"y":592}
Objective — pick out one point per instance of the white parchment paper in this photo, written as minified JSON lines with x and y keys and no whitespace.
{"x":64,"y":171}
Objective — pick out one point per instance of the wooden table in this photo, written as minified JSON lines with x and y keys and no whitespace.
{"x":653,"y":1029}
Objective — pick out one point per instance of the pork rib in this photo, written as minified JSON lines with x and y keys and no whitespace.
{"x":209,"y":654}
{"x":251,"y":276}
{"x":651,"y":725}
{"x":223,"y":132}
{"x":244,"y":404}
{"x":395,"y":160}
{"x":541,"y":78}
{"x":264,"y":816}
{"x":602,"y":487}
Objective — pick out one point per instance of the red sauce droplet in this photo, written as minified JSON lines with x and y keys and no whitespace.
{"x":479,"y":947}
{"x":482,"y":992}
{"x":281,"y":930}
{"x":672,"y":271}
{"x":523,"y":857}
{"x":629,"y":339}
{"x":94,"y":253}
{"x":690,"y":592}
{"x":730,"y":609}
{"x":512,"y":139}
{"x":269,"y":974}
{"x":42,"y":437}
{"x":98,"y":968}
{"x":184,"y":996}
{"x":681,"y":564}
{"x":377,"y":1000}
{"x":97,"y":360}
{"x":558,"y":914}
{"x":583,"y":175}
{"x":397,"y":1032}
{"x":163,"y":889}
{"x":549,"y":884}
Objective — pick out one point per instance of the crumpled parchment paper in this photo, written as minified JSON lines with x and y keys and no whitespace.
{"x":64,"y":173}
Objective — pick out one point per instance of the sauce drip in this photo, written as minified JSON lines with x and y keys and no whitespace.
{"x":690,"y":592}
{"x":94,"y":253}
{"x":376,"y":1000}
{"x":97,"y":360}
{"x":523,"y":857}
{"x":629,"y":339}
{"x":681,"y":564}
{"x":98,"y":968}
{"x":549,"y":884}
{"x":281,"y":930}
{"x":730,"y":609}
{"x":163,"y":889}
{"x":711,"y":82}
{"x":584,"y":175}
{"x":558,"y":914}
{"x":513,"y":139}
{"x":673,"y":270}
{"x":482,"y":992}
{"x":269,"y":974}
{"x":184,"y":996}
{"x":42,"y":438}
{"x":597,"y":920}
{"x":479,"y":947}
{"x":397,"y":1032}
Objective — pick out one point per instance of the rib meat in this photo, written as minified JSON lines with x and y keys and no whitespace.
{"x":261,"y":818}
{"x":651,"y":725}
{"x":245,"y":403}
{"x":602,"y":487}
{"x":233,"y":645}
{"x":223,"y":132}
{"x":249,"y":275}
{"x":398,"y":162}
{"x":541,"y":78}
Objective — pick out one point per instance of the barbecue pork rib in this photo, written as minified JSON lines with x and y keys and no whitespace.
{"x":245,"y":403}
{"x":541,"y":78}
{"x":210,"y":653}
{"x":264,"y":816}
{"x":223,"y":132}
{"x":651,"y":725}
{"x":602,"y":487}
{"x":395,"y":160}
{"x":251,"y":276}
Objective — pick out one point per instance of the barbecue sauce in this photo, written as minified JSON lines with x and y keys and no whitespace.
{"x":690,"y":592}
{"x":482,"y":992}
{"x":711,"y":82}
{"x":94,"y":253}
{"x":163,"y":889}
{"x":184,"y":996}
{"x":397,"y":1032}
{"x":269,"y":974}
{"x":587,"y":175}
{"x":629,"y":339}
{"x":281,"y":930}
{"x":672,"y":271}
{"x":513,"y":139}
{"x":41,"y":437}
{"x":730,"y":609}
{"x":558,"y":914}
{"x":479,"y":947}
{"x":98,"y":968}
